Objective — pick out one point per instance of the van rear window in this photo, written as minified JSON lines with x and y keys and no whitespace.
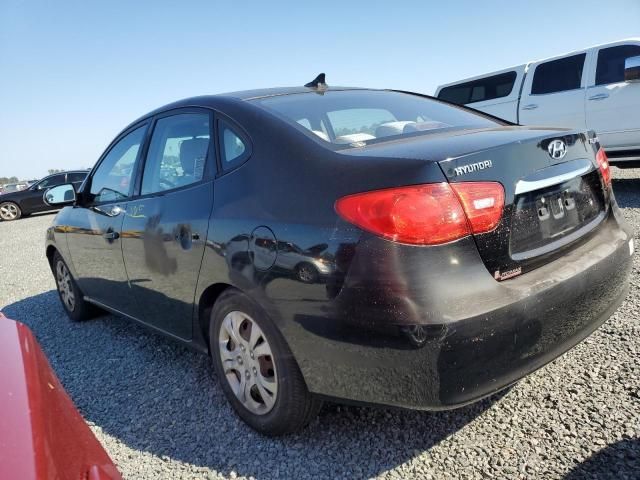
{"x":348,"y":117}
{"x":480,"y":90}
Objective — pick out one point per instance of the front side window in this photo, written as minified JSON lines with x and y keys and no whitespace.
{"x":112,"y":180}
{"x":354,"y":117}
{"x":558,"y":75}
{"x":610,"y":67}
{"x":177,"y":152}
{"x":488,"y":88}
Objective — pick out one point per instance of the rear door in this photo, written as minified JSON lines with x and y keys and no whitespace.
{"x":165,"y":227}
{"x":613,"y":105}
{"x":554,"y":93}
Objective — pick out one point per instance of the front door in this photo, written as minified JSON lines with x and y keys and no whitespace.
{"x":613,"y":105}
{"x":94,"y":229}
{"x":164,"y":230}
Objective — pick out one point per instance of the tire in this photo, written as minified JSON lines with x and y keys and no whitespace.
{"x":275,"y":400}
{"x":70,"y":295}
{"x":9,"y":211}
{"x":307,"y":273}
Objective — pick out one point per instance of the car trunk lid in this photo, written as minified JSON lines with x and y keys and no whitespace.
{"x":550,"y":203}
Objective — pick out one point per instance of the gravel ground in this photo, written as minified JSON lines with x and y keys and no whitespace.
{"x":157,"y":409}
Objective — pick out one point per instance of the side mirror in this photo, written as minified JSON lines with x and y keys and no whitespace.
{"x":60,"y":196}
{"x":632,"y":69}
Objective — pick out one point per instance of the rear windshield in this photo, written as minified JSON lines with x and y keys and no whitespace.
{"x":358,"y":117}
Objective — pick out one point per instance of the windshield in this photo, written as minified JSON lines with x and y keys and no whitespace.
{"x":359,"y":117}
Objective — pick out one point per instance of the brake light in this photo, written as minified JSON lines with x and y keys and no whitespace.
{"x":429,"y":214}
{"x":603,"y":165}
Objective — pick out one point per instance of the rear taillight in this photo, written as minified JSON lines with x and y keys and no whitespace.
{"x":483,"y":203}
{"x":429,"y":214}
{"x":603,"y":165}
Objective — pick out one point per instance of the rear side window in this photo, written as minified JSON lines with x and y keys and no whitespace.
{"x":112,"y":180}
{"x":177,"y":152}
{"x":234,"y":148}
{"x":610,"y":67}
{"x":76,"y":177}
{"x":488,"y":88}
{"x":558,"y":75}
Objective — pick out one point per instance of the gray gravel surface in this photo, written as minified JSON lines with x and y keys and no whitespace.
{"x":157,"y":409}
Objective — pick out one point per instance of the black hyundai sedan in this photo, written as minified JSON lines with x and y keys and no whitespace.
{"x":22,"y":203}
{"x":366,"y":246}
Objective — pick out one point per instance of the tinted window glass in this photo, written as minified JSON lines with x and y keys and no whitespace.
{"x":356,"y":116}
{"x":488,"y":88}
{"x":233,"y":147}
{"x":558,"y":75}
{"x":358,"y":120}
{"x":610,"y":67}
{"x":112,"y":180}
{"x":51,"y":181}
{"x":76,"y":177}
{"x":177,"y":152}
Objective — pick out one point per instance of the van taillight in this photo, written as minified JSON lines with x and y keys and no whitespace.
{"x":603,"y":165}
{"x":429,"y":214}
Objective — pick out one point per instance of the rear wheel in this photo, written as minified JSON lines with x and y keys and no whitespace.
{"x":257,"y":371}
{"x":9,"y":211}
{"x":70,"y":295}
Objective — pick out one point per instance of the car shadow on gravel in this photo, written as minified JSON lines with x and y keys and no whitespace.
{"x":627,"y":192}
{"x":615,"y":461}
{"x":152,"y":395}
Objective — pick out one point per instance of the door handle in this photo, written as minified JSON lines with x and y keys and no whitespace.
{"x":599,"y":96}
{"x":531,"y":106}
{"x":110,"y":211}
{"x":111,"y":235}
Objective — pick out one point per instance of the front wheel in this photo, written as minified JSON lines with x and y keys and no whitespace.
{"x":256,"y":369}
{"x":307,"y":273}
{"x":9,"y":211}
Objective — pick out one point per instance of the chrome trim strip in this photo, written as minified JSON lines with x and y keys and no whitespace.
{"x":554,"y":175}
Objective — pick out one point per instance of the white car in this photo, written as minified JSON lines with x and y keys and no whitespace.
{"x":597,"y":88}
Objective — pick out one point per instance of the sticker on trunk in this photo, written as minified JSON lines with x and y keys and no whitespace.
{"x":514,"y":272}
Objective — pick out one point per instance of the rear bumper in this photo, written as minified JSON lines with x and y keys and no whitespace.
{"x":440,"y":332}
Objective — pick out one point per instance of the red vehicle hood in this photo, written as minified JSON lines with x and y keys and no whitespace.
{"x":42,"y":435}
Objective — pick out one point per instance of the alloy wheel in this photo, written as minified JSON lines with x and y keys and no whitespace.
{"x":8,"y":211}
{"x":306,"y":273}
{"x":248,"y":363}
{"x":64,"y":286}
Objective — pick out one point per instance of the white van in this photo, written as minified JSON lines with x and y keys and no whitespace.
{"x":596,"y":88}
